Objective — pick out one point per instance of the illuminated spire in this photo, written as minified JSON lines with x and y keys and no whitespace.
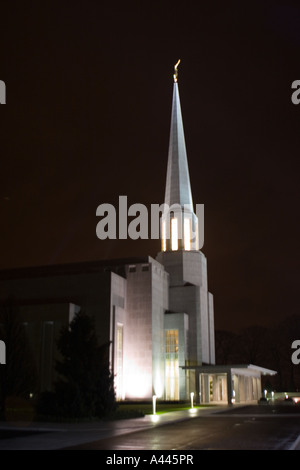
{"x":179,"y":228}
{"x":178,"y":189}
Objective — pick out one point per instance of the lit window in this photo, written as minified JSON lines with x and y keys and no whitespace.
{"x":187,"y":234}
{"x":171,"y":341}
{"x":172,"y":365}
{"x":164,"y":240}
{"x":174,"y":227}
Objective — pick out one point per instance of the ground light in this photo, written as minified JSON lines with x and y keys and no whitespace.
{"x":154,"y":404}
{"x":192,"y":399}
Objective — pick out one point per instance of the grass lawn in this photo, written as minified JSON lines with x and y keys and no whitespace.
{"x":146,"y":408}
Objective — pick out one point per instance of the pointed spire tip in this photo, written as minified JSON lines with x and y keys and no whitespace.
{"x":175,"y":76}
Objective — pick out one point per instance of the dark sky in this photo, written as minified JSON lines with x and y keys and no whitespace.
{"x":89,"y":89}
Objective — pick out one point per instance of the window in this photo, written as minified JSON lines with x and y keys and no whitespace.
{"x":187,"y":234}
{"x":174,"y":229}
{"x":171,"y":341}
{"x":164,"y":236}
{"x":145,"y":267}
{"x":132,"y":269}
{"x":172,"y":365}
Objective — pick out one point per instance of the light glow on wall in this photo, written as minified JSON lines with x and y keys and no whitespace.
{"x":137,"y":386}
{"x":158,"y":386}
{"x":119,"y":363}
{"x":174,"y":231}
{"x":137,"y":381}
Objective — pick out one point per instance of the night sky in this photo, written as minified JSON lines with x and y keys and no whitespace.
{"x":87,"y":119}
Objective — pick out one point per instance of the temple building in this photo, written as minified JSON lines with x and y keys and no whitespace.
{"x":157,"y":314}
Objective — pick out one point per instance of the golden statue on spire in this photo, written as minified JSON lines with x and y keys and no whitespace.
{"x":175,"y":76}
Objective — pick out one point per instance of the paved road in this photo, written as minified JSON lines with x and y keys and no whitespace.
{"x":233,"y":428}
{"x":215,"y":432}
{"x":224,"y":433}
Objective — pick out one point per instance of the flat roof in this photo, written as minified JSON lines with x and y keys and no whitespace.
{"x":214,"y":368}
{"x":69,"y":268}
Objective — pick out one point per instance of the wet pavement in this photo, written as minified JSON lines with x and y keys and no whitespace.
{"x":52,"y":436}
{"x":232,"y":428}
{"x":250,"y":428}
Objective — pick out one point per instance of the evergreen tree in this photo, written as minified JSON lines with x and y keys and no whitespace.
{"x":86,"y":387}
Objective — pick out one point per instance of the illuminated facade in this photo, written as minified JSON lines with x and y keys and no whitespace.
{"x":156,"y":314}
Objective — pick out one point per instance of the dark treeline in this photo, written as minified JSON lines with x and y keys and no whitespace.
{"x":84,"y":387}
{"x":264,"y":347}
